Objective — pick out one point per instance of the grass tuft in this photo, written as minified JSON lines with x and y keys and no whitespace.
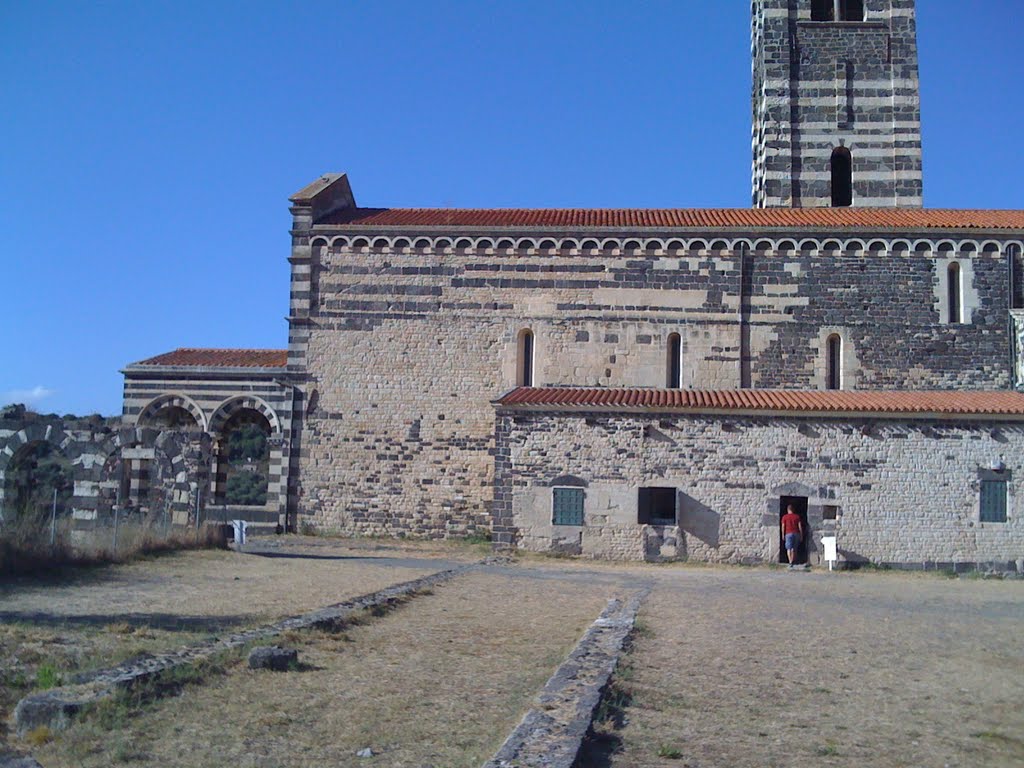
{"x":670,"y":752}
{"x":47,"y":677}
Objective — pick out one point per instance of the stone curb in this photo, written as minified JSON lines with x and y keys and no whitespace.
{"x":57,"y":708}
{"x":550,"y":734}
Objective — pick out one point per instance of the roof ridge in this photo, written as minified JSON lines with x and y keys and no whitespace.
{"x":228,"y":349}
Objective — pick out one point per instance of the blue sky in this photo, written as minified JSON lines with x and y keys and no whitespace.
{"x":148,"y":149}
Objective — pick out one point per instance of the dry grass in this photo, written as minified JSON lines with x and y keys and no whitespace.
{"x":26,"y":548}
{"x":441,"y":681}
{"x":101,"y":617}
{"x":762,"y":668}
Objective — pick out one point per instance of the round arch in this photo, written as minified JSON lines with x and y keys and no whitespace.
{"x":233,"y":405}
{"x":147,"y":415}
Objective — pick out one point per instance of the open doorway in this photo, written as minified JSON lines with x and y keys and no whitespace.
{"x":800,"y":507}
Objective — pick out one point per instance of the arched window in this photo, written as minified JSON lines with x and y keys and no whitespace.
{"x":524,"y":359}
{"x":834,"y":362}
{"x":842,"y":177}
{"x":675,"y":361}
{"x":953,"y":294}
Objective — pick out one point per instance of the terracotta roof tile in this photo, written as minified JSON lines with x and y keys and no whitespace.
{"x":686,"y":218}
{"x":221,"y":358}
{"x":978,"y":403}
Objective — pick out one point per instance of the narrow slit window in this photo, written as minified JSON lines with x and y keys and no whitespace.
{"x":567,"y":506}
{"x":953,"y":294}
{"x":993,"y":501}
{"x":524,"y":372}
{"x":675,"y":361}
{"x":842,"y":177}
{"x":833,"y":362}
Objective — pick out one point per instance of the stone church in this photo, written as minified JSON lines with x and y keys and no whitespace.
{"x":656,"y":384}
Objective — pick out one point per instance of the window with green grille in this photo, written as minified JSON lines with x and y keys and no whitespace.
{"x":568,"y":506}
{"x":993,"y":501}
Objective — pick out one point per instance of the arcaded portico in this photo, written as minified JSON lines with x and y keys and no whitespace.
{"x":218,"y":392}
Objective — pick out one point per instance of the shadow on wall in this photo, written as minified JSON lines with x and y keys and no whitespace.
{"x":699,"y":520}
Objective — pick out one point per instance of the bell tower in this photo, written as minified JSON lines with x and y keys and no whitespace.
{"x":836,"y":104}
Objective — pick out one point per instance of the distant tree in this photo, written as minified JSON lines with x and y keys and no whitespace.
{"x":248,"y":488}
{"x":36,"y":471}
{"x":245,"y":442}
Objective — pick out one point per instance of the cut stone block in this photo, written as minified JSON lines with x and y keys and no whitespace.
{"x":273,"y":657}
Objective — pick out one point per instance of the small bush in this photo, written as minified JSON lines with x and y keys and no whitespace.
{"x":47,"y":677}
{"x":39,"y":736}
{"x":670,"y":752}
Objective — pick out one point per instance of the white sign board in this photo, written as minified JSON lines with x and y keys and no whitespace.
{"x":828,"y":543}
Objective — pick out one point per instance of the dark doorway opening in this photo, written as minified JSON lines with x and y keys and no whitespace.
{"x":656,"y":506}
{"x":800,"y":507}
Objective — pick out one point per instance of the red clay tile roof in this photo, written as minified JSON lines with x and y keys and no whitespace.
{"x":221,"y":358}
{"x":695,"y":218}
{"x":977,"y":403}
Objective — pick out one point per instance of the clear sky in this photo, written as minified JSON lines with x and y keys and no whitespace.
{"x":147,"y":149}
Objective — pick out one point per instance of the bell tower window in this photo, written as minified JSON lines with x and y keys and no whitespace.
{"x":837,"y":10}
{"x":842,"y":178}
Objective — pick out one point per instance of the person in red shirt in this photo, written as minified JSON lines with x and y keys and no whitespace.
{"x":793,"y":531}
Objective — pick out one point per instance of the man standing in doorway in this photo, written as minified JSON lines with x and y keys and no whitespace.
{"x":793,"y":531}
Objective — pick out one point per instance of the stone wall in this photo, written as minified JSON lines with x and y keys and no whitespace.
{"x":153,"y":476}
{"x":405,"y":348}
{"x":905,"y":491}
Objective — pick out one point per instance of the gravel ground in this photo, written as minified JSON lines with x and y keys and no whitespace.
{"x":759,"y":667}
